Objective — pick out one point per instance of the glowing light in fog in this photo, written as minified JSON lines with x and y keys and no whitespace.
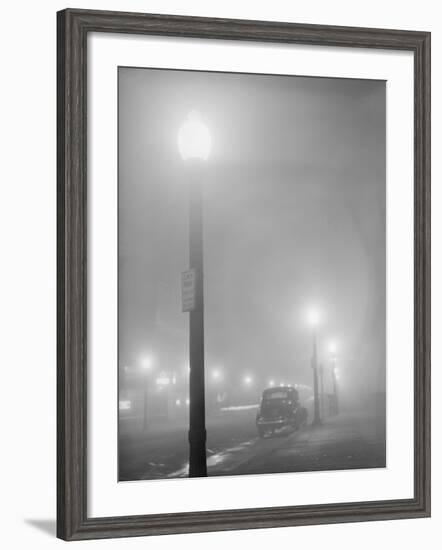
{"x":147,"y":362}
{"x":194,"y":139}
{"x":313,"y":317}
{"x":332,"y":347}
{"x":216,"y":374}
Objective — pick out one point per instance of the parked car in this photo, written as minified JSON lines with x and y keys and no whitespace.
{"x":280,"y":408}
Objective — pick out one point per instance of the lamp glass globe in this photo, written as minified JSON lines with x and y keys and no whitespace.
{"x":194,"y":141}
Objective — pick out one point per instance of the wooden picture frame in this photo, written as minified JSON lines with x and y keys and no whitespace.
{"x":73,"y":27}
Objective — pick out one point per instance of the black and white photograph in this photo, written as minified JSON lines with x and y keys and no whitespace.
{"x":251,"y":274}
{"x":243,"y":274}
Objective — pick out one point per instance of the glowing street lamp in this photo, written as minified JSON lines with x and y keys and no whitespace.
{"x":332,"y":347}
{"x":194,"y":141}
{"x":248,"y":380}
{"x":194,"y":144}
{"x":216,"y":375}
{"x":146,"y":362}
{"x":313,"y":318}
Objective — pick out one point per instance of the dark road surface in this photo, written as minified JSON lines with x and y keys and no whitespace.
{"x":162,"y":450}
{"x":346,"y":441}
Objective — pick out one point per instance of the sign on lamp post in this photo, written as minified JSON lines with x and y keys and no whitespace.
{"x":188,"y":290}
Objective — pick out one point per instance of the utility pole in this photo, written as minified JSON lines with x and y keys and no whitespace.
{"x":321,"y":375}
{"x":335,"y":387}
{"x":317,"y":415}
{"x":194,"y":143}
{"x":197,"y":412}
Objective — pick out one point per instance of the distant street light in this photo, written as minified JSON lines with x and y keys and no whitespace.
{"x":332,"y":347}
{"x":248,"y":380}
{"x":124,"y":405}
{"x":147,"y":362}
{"x":186,"y":370}
{"x":313,"y":318}
{"x":216,"y":375}
{"x":271,"y":383}
{"x":194,"y":145}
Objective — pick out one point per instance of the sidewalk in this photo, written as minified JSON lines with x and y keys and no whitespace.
{"x":343,"y":442}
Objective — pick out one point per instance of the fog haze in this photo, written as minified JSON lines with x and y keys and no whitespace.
{"x":294,"y":216}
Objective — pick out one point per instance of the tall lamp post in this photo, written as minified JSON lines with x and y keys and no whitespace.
{"x":313,"y":319}
{"x":146,"y":365}
{"x":321,"y":376}
{"x":194,"y":146}
{"x":333,"y":350}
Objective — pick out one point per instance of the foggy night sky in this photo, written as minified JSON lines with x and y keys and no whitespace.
{"x":294,"y":215}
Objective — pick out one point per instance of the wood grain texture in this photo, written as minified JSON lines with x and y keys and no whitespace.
{"x":72,"y":29}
